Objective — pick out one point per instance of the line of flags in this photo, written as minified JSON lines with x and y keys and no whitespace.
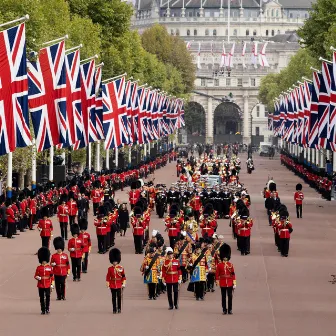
{"x":70,"y":105}
{"x":306,"y":114}
{"x":227,"y":59}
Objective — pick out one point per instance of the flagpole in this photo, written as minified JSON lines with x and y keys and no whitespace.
{"x":33,"y":182}
{"x":116,"y":157}
{"x":324,"y":60}
{"x":228,"y":23}
{"x":65,"y":37}
{"x":51,"y":163}
{"x":89,"y":59}
{"x":113,"y":78}
{"x":97,"y":165}
{"x":88,"y":156}
{"x":107,"y":159}
{"x":9,"y":175}
{"x":24,"y":18}
{"x":74,"y":48}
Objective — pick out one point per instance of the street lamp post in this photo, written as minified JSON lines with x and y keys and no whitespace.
{"x":252,"y":121}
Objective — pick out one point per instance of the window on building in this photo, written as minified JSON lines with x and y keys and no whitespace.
{"x":272,"y":32}
{"x":177,"y":32}
{"x":228,"y":81}
{"x":247,"y":32}
{"x":257,"y":131}
{"x":266,"y":32}
{"x":235,"y":32}
{"x":203,"y":82}
{"x":291,"y":15}
{"x":272,"y":12}
{"x":188,"y":32}
{"x":258,"y":111}
{"x":190,"y":14}
{"x":253,"y":82}
{"x":171,"y":31}
{"x":277,"y":13}
{"x":306,"y":16}
{"x":216,"y":82}
{"x":267,"y":12}
{"x":279,"y":32}
{"x":240,"y":82}
{"x":206,"y":32}
{"x":254,"y":32}
{"x":226,"y":32}
{"x":214,"y":32}
{"x":195,"y":32}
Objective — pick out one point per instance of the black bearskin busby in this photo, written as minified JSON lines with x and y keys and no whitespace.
{"x":172,"y":213}
{"x":63,"y":198}
{"x":43,"y":254}
{"x":115,"y":256}
{"x":272,"y":186}
{"x":137,"y":211}
{"x":233,"y":172}
{"x":71,"y":195}
{"x":102,"y":211}
{"x":44,"y":212}
{"x":208,"y":210}
{"x":283,"y":214}
{"x":83,"y":224}
{"x":244,"y":213}
{"x":198,"y":246}
{"x":58,"y":243}
{"x":225,"y":252}
{"x":74,"y":229}
{"x":136,"y":185}
{"x":299,"y":187}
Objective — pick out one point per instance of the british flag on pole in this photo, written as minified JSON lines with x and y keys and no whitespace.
{"x":324,"y":105}
{"x":14,"y":118}
{"x":313,"y":121}
{"x":47,"y":96}
{"x":135,"y":114}
{"x":332,"y":114}
{"x":306,"y":112}
{"x":143,"y":136}
{"x":98,"y":119}
{"x":73,"y":97}
{"x":149,"y":100}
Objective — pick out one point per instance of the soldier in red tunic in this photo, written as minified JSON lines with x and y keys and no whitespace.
{"x":226,"y":277}
{"x":101,"y":229}
{"x":75,"y":247}
{"x":116,"y":279}
{"x":138,"y":224}
{"x":45,"y":227}
{"x":86,"y":238}
{"x":172,"y":277}
{"x":63,"y":217}
{"x":298,"y":198}
{"x":45,"y":278}
{"x":285,"y":229}
{"x":73,"y":210}
{"x":61,"y":267}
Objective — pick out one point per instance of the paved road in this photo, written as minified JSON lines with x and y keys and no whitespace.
{"x":275,"y":296}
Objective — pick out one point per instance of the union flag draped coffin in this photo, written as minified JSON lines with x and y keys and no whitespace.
{"x":14,"y":118}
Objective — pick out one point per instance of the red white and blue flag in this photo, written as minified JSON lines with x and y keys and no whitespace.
{"x":73,"y":98}
{"x":306,"y":112}
{"x":135,"y":113}
{"x":14,"y":118}
{"x":332,"y":112}
{"x":313,"y":122}
{"x":47,"y":96}
{"x":143,"y":135}
{"x":98,"y":120}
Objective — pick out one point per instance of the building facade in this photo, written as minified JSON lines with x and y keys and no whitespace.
{"x":208,"y":26}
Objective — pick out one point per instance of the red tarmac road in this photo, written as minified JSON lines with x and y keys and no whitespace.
{"x":275,"y":296}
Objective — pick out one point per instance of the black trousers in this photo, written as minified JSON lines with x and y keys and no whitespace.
{"x":172,"y":287}
{"x":227,"y":291}
{"x":101,"y":243}
{"x":138,"y":244}
{"x":45,"y":241}
{"x":269,"y":214}
{"x":64,"y":230}
{"x":244,"y":244}
{"x":184,"y":274}
{"x":284,"y":246}
{"x":60,"y":286}
{"x":172,"y":241}
{"x":299,"y":210}
{"x":95,"y":208}
{"x":116,"y":299}
{"x":72,"y":220}
{"x":11,"y":229}
{"x":76,"y":265}
{"x":196,"y":215}
{"x":112,"y":237}
{"x":85,"y":262}
{"x":199,"y":289}
{"x":4,"y":226}
{"x":151,"y":290}
{"x":44,"y":294}
{"x":210,"y":281}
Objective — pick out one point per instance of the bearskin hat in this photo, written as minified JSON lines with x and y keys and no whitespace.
{"x":172,"y":213}
{"x":240,"y":204}
{"x":151,"y":250}
{"x":137,"y":211}
{"x":272,"y":186}
{"x":283,"y":214}
{"x":58,"y":243}
{"x":82,"y":190}
{"x":63,"y":198}
{"x":44,"y":212}
{"x":74,"y":229}
{"x":43,"y":254}
{"x":115,"y":255}
{"x":108,"y":206}
{"x":175,"y":207}
{"x":22,"y":196}
{"x":244,"y":213}
{"x":102,"y":211}
{"x":208,"y":209}
{"x":71,"y":195}
{"x":8,"y":202}
{"x":136,"y":185}
{"x":233,"y":172}
{"x":96,"y":184}
{"x":83,"y":224}
{"x":299,"y":187}
{"x":225,"y":252}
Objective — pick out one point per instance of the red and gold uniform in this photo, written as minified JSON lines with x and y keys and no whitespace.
{"x":45,"y":227}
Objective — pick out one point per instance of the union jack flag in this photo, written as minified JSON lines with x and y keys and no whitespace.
{"x":98,"y":119}
{"x":290,"y":119}
{"x":143,"y":136}
{"x":300,"y":96}
{"x":88,"y":96}
{"x":324,"y":104}
{"x":332,"y":115}
{"x":129,"y":113}
{"x":154,"y":114}
{"x":14,"y":118}
{"x":149,"y":101}
{"x":283,"y":116}
{"x":73,"y":97}
{"x":47,"y":96}
{"x":122,"y":115}
{"x":276,"y":119}
{"x":306,"y":112}
{"x":313,"y":122}
{"x":135,"y":114}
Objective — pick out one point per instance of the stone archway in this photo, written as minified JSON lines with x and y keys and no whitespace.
{"x":194,"y":115}
{"x":227,"y":122}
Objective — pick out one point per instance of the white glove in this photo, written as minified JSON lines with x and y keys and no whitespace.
{"x":40,"y":229}
{"x":180,"y":281}
{"x":52,"y":287}
{"x":38,"y":278}
{"x":190,"y":264}
{"x":123,"y":286}
{"x":72,"y":249}
{"x":210,"y":269}
{"x":147,"y":267}
{"x":53,"y":264}
{"x":234,"y":286}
